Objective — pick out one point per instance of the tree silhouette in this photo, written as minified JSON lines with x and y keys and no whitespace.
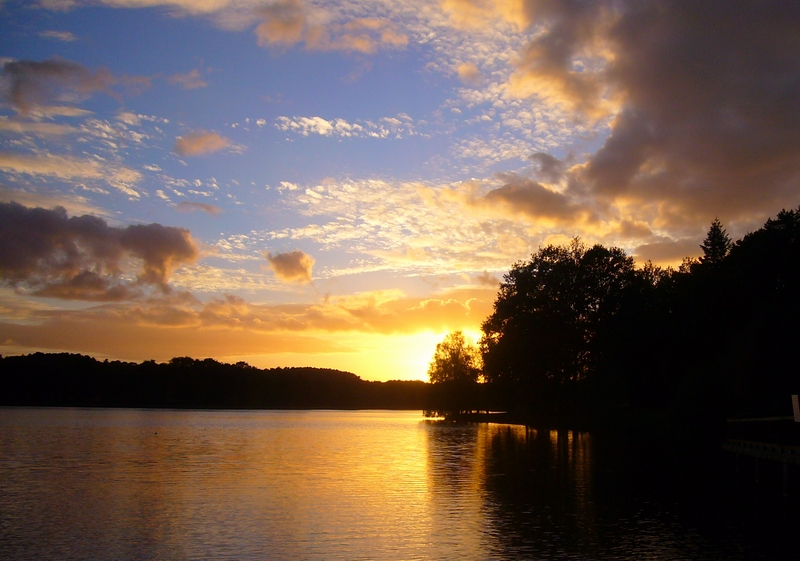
{"x":456,"y":359}
{"x":717,"y":244}
{"x":547,"y":312}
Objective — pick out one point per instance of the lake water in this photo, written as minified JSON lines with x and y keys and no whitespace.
{"x":147,"y":484}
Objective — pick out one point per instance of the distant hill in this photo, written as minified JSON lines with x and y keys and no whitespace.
{"x":76,"y":380}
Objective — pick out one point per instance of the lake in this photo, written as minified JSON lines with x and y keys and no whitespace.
{"x":387,"y":485}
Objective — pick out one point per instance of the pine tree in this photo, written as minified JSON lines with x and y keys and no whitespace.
{"x":716,"y":245}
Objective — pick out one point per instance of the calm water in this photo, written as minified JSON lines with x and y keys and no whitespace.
{"x":144,"y":484}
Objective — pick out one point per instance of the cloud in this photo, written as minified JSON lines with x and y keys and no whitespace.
{"x":187,"y":206}
{"x":285,"y":23}
{"x":35,"y":128}
{"x":668,"y":252}
{"x":702,"y":102}
{"x":65,"y":36}
{"x":32,"y":84}
{"x":528,"y":197}
{"x":190,"y":80}
{"x":474,"y":14}
{"x":74,"y":204}
{"x":291,"y":267}
{"x":565,"y":63}
{"x":81,"y":258}
{"x":193,"y":7}
{"x":64,"y":167}
{"x":469,"y":74}
{"x":58,"y":111}
{"x":197,"y":143}
{"x":386,"y":127}
{"x":362,"y":35}
{"x":548,"y":168}
{"x":131,"y":119}
{"x":486,"y":279}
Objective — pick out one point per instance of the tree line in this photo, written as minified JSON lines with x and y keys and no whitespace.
{"x":76,"y":380}
{"x":580,"y":335}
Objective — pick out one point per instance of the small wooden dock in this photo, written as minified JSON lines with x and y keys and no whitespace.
{"x":771,"y":438}
{"x":778,"y":452}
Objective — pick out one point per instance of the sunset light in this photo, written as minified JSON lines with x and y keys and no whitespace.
{"x":312,"y":183}
{"x":473,"y":280}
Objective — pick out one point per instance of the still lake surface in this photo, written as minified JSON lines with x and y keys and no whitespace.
{"x":387,"y":485}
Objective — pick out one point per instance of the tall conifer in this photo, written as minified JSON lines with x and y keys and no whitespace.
{"x":716,"y":245}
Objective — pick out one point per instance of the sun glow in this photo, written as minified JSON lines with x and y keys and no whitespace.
{"x":373,"y":357}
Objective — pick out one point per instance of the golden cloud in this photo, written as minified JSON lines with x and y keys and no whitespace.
{"x":190,"y":80}
{"x":285,"y":23}
{"x":36,"y":128}
{"x":475,"y":13}
{"x":197,"y":143}
{"x":64,"y":167}
{"x":469,"y":74}
{"x":291,"y":267}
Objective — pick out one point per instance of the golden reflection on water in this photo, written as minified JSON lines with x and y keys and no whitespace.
{"x":128,"y":484}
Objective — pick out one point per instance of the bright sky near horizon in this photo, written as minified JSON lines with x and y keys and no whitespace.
{"x":340,"y":184}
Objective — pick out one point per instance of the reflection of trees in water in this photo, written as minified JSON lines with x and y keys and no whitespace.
{"x":539,"y":492}
{"x":507,"y":491}
{"x":547,"y":496}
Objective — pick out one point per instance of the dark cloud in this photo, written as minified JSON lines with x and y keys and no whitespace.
{"x":667,"y":251}
{"x":30,"y":84}
{"x":704,"y":98}
{"x":629,"y":229}
{"x":291,"y":267}
{"x":546,"y":66}
{"x":525,"y":196}
{"x":81,"y":257}
{"x":487,"y":279}
{"x":548,"y":168}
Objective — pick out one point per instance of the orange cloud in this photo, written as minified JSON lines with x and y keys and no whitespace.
{"x":469,"y":74}
{"x":476,"y":13}
{"x":69,"y":168}
{"x":291,"y":267}
{"x":197,"y":143}
{"x":380,"y":334}
{"x":667,"y":252}
{"x":190,"y":80}
{"x":285,"y":24}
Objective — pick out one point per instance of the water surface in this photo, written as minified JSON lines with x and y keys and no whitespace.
{"x":153,"y":484}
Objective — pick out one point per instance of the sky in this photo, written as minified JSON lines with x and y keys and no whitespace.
{"x":340,"y":184}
